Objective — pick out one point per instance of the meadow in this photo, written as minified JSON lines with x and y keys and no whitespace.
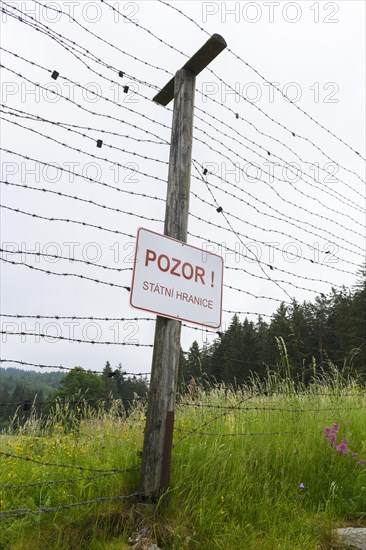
{"x":269,"y":466}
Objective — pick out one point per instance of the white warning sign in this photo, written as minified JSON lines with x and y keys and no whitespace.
{"x":177,"y":280}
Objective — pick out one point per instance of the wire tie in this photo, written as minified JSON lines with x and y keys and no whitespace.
{"x":99,"y":143}
{"x":219,"y":209}
{"x":125,"y":89}
{"x":55,"y":75}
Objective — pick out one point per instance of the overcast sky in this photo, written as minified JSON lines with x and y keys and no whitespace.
{"x":304,"y":196}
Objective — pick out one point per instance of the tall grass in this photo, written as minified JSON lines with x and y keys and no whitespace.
{"x":261,"y":477}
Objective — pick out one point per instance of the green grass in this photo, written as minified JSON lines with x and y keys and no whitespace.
{"x":227,"y":492}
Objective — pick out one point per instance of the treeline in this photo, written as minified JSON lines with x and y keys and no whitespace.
{"x":18,"y":384}
{"x":298,"y":340}
{"x":28,"y":392}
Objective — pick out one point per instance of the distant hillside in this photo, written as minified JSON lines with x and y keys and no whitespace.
{"x":36,"y":382}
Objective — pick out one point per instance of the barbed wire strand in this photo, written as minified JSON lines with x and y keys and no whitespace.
{"x":54,"y":482}
{"x":21,"y":512}
{"x":61,"y":367}
{"x":72,"y":466}
{"x":212,"y":72}
{"x":173,"y":7}
{"x":222,"y":179}
{"x":272,"y":177}
{"x":104,"y":64}
{"x":66,"y":258}
{"x":54,"y":273}
{"x":282,"y":216}
{"x":74,"y":197}
{"x":155,"y":177}
{"x":110,"y":67}
{"x":284,"y":163}
{"x":116,"y":231}
{"x":269,"y":230}
{"x":24,"y":114}
{"x":246,"y":192}
{"x":78,"y":340}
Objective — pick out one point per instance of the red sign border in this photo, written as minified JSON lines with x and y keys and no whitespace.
{"x":183,"y":244}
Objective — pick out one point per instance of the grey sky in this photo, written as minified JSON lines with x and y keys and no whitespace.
{"x":315,"y":50}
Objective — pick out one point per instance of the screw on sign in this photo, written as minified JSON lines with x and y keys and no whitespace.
{"x":177,"y":280}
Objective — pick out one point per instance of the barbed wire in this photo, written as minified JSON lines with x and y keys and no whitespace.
{"x":271,"y":207}
{"x":173,"y":7}
{"x":128,"y":288}
{"x":247,"y":222}
{"x":210,"y":420}
{"x":88,"y":90}
{"x":222,"y":81}
{"x":54,"y":482}
{"x":246,"y":192}
{"x":66,"y":127}
{"x":75,"y":317}
{"x":24,"y":114}
{"x":54,"y":273}
{"x":108,"y":160}
{"x":272,"y":176}
{"x":295,"y":135}
{"x":289,"y":216}
{"x":76,"y":174}
{"x":271,"y":409}
{"x":223,"y":245}
{"x":96,"y":318}
{"x":227,"y":248}
{"x":149,"y":175}
{"x":266,"y":276}
{"x":276,"y":140}
{"x":84,"y":224}
{"x":61,"y":367}
{"x":282,"y":215}
{"x":99,"y":182}
{"x":21,"y":512}
{"x":251,"y":239}
{"x":72,"y":47}
{"x":269,"y":154}
{"x":67,"y":258}
{"x":220,"y":210}
{"x":116,"y":231}
{"x":90,"y":111}
{"x":103,"y":40}
{"x":133,"y":153}
{"x":74,"y":197}
{"x":17,"y":210}
{"x":233,"y":434}
{"x":78,"y":340}
{"x":110,"y":67}
{"x":32,"y":404}
{"x":49,"y":272}
{"x":145,"y":84}
{"x":59,"y":465}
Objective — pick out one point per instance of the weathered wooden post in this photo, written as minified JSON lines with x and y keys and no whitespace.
{"x":156,"y":454}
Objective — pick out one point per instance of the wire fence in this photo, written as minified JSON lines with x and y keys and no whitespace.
{"x":242,"y":407}
{"x":305,"y":209}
